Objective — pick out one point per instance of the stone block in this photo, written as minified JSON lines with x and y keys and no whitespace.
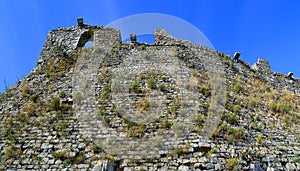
{"x":236,"y":55}
{"x":80,"y":21}
{"x":133,"y":38}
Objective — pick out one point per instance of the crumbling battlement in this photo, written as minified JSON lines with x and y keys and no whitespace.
{"x":276,"y":80}
{"x":263,"y":68}
{"x":69,"y":39}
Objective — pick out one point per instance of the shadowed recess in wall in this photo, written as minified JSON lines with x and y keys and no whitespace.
{"x":86,"y":37}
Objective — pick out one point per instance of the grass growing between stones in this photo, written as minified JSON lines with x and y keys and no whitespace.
{"x":232,"y":163}
{"x":260,"y":141}
{"x":234,"y":135}
{"x":296,"y":159}
{"x":250,"y":103}
{"x":12,"y":151}
{"x":60,"y":154}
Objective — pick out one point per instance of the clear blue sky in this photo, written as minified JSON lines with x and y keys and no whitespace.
{"x":257,"y":28}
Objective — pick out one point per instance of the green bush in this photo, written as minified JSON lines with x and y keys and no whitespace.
{"x":205,"y":91}
{"x":268,"y":88}
{"x":134,"y":86}
{"x":107,"y":119}
{"x":234,"y":135}
{"x":55,"y":103}
{"x":96,"y":148}
{"x":238,"y":88}
{"x":236,"y":108}
{"x":279,"y":107}
{"x":260,"y":141}
{"x":161,"y":87}
{"x":34,"y":98}
{"x":254,"y":102}
{"x":151,"y":82}
{"x":143,"y":47}
{"x":296,"y":159}
{"x":232,"y":118}
{"x":273,"y":106}
{"x":166,"y":124}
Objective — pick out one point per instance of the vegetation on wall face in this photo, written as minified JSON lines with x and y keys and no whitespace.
{"x":253,"y":108}
{"x":59,"y":63}
{"x":249,"y":96}
{"x":238,"y":97}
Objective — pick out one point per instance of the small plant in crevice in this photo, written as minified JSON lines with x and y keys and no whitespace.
{"x":205,"y":91}
{"x":136,"y":130}
{"x":166,"y":123}
{"x":227,"y":97}
{"x":221,"y":129}
{"x":230,"y":117}
{"x":25,"y":90}
{"x":59,"y":154}
{"x":79,"y":157}
{"x":12,"y":151}
{"x":62,"y":94}
{"x":151,"y":83}
{"x":281,"y":148}
{"x":238,"y":88}
{"x":143,"y":104}
{"x":259,"y":141}
{"x":22,"y":117}
{"x":253,"y":125}
{"x":34,"y":98}
{"x":181,"y":150}
{"x":268,"y":88}
{"x":143,"y":47}
{"x":254,"y":102}
{"x":135,"y":86}
{"x":211,"y":151}
{"x":234,"y":135}
{"x":55,"y":103}
{"x":163,"y":78}
{"x":236,"y":108}
{"x":161,"y":87}
{"x":232,"y":163}
{"x":257,"y":118}
{"x":9,"y":121}
{"x":107,"y":120}
{"x":194,"y":73}
{"x":296,"y":159}
{"x":30,"y":108}
{"x":9,"y":134}
{"x":96,"y":148}
{"x":280,"y":107}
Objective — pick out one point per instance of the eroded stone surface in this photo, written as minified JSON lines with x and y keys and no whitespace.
{"x":39,"y":133}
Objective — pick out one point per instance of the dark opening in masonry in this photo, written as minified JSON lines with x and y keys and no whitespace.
{"x":86,"y":37}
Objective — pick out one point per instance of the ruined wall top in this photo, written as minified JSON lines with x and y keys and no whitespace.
{"x":69,"y":39}
{"x":263,"y":68}
{"x":276,"y":80}
{"x":66,"y":40}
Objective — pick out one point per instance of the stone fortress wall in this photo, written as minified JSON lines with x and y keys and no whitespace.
{"x":157,"y":56}
{"x":75,"y":37}
{"x":172,"y":56}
